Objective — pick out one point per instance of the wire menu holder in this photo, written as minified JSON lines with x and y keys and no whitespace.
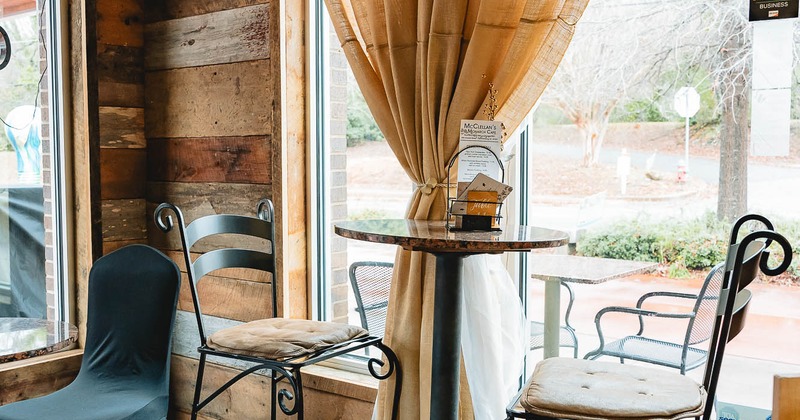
{"x":462,"y":220}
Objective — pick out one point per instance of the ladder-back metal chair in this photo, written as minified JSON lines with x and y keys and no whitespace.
{"x":699,"y":323}
{"x":562,"y":388}
{"x":371,"y":281}
{"x":278,"y":346}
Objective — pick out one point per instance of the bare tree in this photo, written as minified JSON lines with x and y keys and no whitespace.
{"x":625,"y":48}
{"x":618,"y":52}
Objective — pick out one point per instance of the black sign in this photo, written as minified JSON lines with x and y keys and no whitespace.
{"x":772,"y":9}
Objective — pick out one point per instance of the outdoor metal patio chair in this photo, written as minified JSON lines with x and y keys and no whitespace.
{"x":698,"y":322}
{"x":566,"y":334}
{"x":278,"y":346}
{"x":371,"y":281}
{"x":563,"y":388}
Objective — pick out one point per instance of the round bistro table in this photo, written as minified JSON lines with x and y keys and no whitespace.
{"x":449,"y":247}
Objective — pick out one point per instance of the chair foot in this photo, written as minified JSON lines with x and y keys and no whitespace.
{"x":295,"y":380}
{"x":393,"y":367}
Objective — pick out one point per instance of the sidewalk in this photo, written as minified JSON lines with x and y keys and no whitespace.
{"x":768,"y":345}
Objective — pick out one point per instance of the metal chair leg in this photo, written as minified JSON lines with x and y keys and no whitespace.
{"x":198,"y":386}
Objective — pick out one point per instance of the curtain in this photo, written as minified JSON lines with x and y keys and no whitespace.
{"x":423,"y":67}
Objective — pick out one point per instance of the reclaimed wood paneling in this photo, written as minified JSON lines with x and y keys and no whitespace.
{"x":211,"y":159}
{"x":111,"y":246}
{"x":124,"y":220}
{"x":38,"y":376}
{"x":249,"y":399}
{"x":120,"y":22}
{"x":121,"y":94}
{"x":158,"y":10}
{"x":120,"y":74}
{"x":122,"y":173}
{"x":122,"y":128}
{"x":228,"y":273}
{"x":786,"y":397}
{"x":201,"y":199}
{"x":85,"y":146}
{"x":227,"y":36}
{"x":289,"y":159}
{"x":211,"y":101}
{"x":120,"y":64}
{"x":250,"y":289}
{"x":229,"y":298}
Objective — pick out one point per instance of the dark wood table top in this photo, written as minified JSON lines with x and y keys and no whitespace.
{"x":589,"y":270}
{"x":21,"y":338}
{"x":434,"y":236}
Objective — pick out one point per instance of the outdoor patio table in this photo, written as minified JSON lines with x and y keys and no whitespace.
{"x":554,"y":269}
{"x":449,"y":248}
{"x":21,"y":338}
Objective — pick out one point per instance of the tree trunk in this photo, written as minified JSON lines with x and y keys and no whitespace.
{"x":593,"y":134}
{"x":734,"y":147}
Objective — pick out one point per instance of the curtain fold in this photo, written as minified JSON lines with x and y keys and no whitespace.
{"x":422,"y":67}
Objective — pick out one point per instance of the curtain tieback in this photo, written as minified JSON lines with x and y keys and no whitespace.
{"x":429,"y":185}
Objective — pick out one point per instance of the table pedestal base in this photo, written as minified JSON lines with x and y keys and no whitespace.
{"x":446,"y":353}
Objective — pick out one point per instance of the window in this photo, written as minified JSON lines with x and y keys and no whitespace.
{"x":32,"y":281}
{"x":356,"y":176}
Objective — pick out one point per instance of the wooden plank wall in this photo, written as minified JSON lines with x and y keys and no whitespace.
{"x":123,"y":147}
{"x":209,"y":125}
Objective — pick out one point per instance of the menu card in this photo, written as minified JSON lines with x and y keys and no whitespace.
{"x":476,"y":160}
{"x":481,"y":189}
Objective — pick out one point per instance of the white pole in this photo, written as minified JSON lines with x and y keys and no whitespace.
{"x":686,"y":143}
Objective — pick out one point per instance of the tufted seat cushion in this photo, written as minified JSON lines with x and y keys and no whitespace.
{"x":279,"y":338}
{"x":587,"y":389}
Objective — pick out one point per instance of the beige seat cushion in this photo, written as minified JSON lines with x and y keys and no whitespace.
{"x":587,"y":389}
{"x":279,"y":338}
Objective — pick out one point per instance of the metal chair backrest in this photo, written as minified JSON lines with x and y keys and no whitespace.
{"x":255,"y":246}
{"x":744,"y":260}
{"x":701,"y":326}
{"x":371,"y":281}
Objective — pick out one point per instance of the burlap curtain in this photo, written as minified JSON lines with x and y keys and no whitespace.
{"x":423,"y":67}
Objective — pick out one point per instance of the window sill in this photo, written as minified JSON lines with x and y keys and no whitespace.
{"x":41,"y":375}
{"x":340,"y":382}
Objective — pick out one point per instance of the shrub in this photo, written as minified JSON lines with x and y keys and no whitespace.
{"x":681,"y":245}
{"x":695,"y":244}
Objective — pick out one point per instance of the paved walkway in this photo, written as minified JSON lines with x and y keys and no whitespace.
{"x":768,"y":345}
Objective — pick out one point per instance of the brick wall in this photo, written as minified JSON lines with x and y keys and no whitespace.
{"x":338,"y":184}
{"x":47,"y":187}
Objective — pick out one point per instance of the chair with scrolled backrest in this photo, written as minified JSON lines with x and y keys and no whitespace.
{"x":591,"y":389}
{"x":277,"y":345}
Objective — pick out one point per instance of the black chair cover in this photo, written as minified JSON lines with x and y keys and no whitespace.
{"x":133,"y":293}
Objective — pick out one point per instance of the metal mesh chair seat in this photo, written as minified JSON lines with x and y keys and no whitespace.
{"x":566,"y":337}
{"x":655,"y":351}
